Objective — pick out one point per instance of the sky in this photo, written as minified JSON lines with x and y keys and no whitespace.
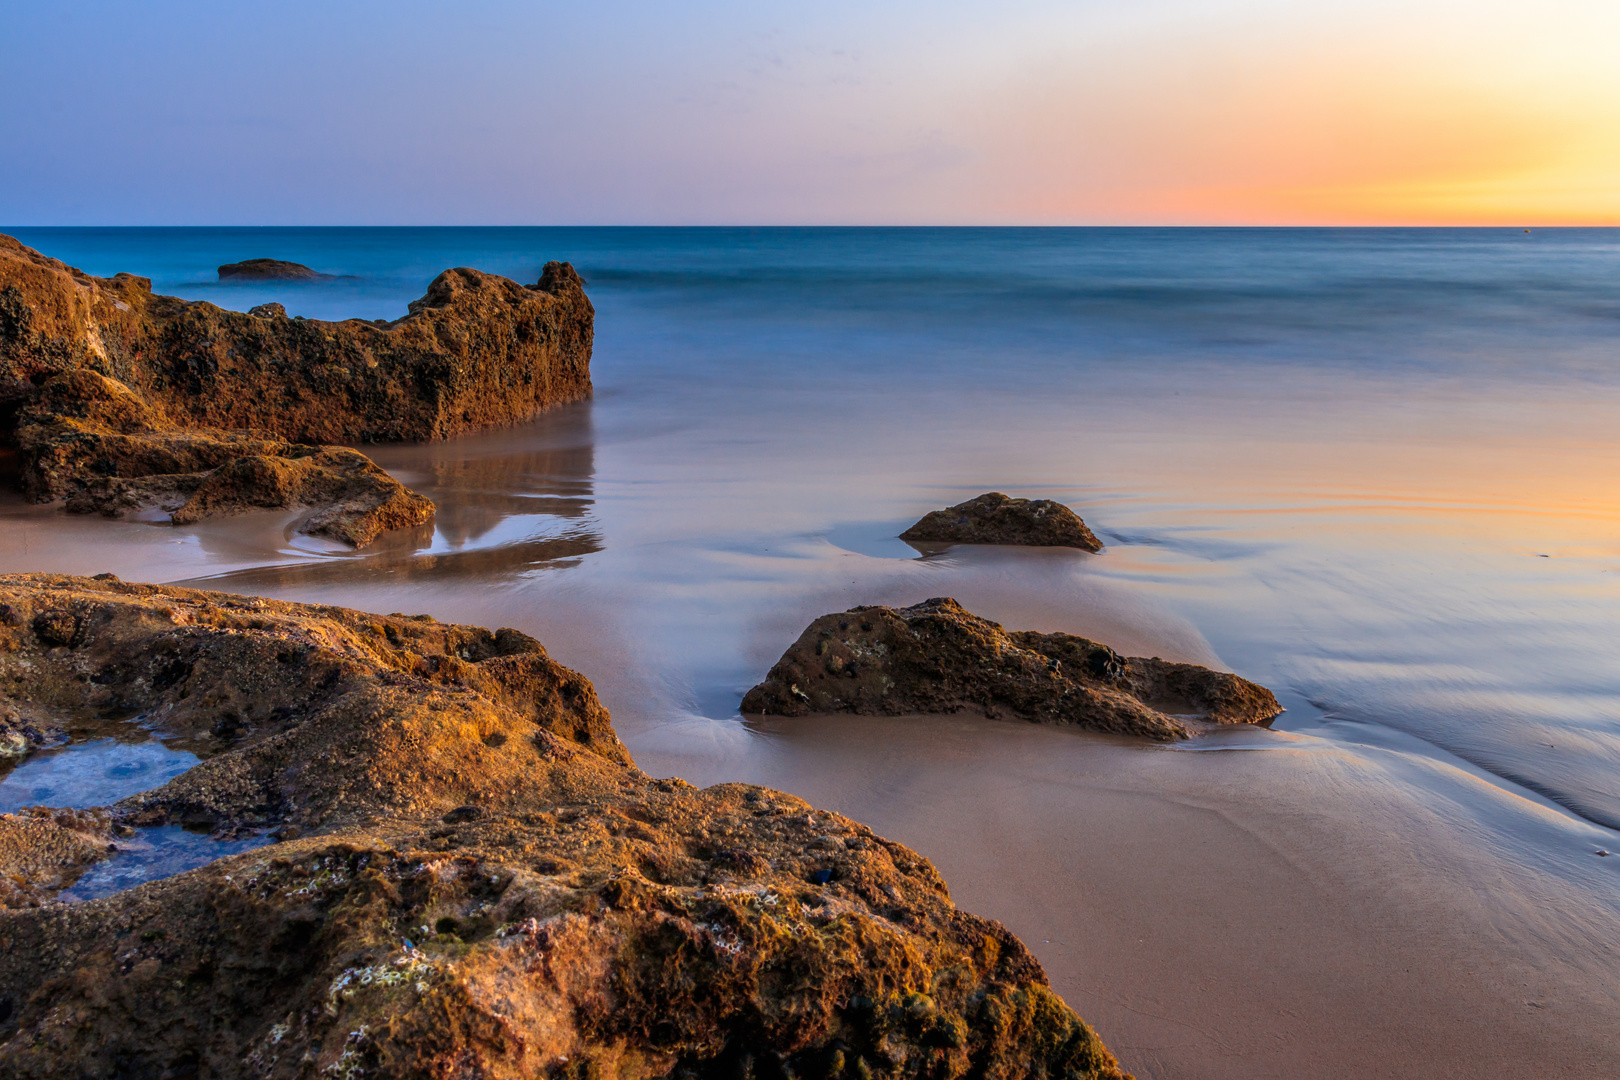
{"x":1220,"y":112}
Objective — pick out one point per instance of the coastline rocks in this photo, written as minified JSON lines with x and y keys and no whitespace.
{"x":101,"y":380}
{"x":484,"y":884}
{"x":994,"y":518}
{"x":86,"y":439}
{"x":936,"y":657}
{"x":268,"y":270}
{"x":43,"y":851}
{"x":21,"y":733}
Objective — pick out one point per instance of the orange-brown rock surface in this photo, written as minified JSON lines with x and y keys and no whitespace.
{"x":473,"y":881}
{"x":120,"y":400}
{"x":937,"y":657}
{"x":994,"y":518}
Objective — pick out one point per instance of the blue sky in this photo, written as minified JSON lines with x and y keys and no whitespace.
{"x":614,"y":112}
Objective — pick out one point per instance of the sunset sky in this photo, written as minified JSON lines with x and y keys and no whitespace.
{"x":715,"y":112}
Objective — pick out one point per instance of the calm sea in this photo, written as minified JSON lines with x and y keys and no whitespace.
{"x":1378,"y":470}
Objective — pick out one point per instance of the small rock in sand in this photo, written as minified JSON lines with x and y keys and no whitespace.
{"x":994,"y":518}
{"x":936,"y":657}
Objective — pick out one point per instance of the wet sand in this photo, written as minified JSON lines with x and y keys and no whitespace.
{"x":1334,"y":900}
{"x":1287,"y":912}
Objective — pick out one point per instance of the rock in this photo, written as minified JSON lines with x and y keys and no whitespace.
{"x":589,"y":920}
{"x":87,"y":440}
{"x":43,"y":851}
{"x":936,"y":657}
{"x":24,"y":729}
{"x":994,"y":518}
{"x":268,"y":270}
{"x":101,"y":380}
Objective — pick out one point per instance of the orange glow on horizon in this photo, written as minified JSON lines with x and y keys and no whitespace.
{"x":1299,"y":121}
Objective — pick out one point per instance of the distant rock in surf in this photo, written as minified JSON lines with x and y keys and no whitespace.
{"x":936,"y":657}
{"x":268,"y":270}
{"x":994,"y":518}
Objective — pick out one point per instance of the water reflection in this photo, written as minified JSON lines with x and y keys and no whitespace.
{"x":508,"y":503}
{"x":108,"y":755}
{"x":152,"y":854}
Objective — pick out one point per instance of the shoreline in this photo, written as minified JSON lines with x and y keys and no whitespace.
{"x":1269,"y":913}
{"x":1326,"y":863}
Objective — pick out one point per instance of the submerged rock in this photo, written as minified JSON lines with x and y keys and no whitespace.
{"x":268,"y":270}
{"x":994,"y":518}
{"x":120,"y":400}
{"x":482,"y":883}
{"x":936,"y":657}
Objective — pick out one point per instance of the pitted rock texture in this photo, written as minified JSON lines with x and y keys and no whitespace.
{"x":485,"y":885}
{"x":24,"y":729}
{"x":89,"y":441}
{"x":43,"y":851}
{"x":937,"y":657}
{"x":994,"y":518}
{"x":268,"y":270}
{"x":102,"y":381}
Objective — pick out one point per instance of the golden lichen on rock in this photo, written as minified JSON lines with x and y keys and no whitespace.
{"x":937,"y":657}
{"x":118,"y":400}
{"x":475,"y":880}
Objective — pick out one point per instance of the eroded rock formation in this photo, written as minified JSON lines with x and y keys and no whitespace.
{"x":119,"y":400}
{"x":994,"y":518}
{"x":936,"y":657}
{"x":474,"y":880}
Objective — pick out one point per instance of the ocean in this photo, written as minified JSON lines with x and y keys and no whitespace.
{"x":1376,"y":470}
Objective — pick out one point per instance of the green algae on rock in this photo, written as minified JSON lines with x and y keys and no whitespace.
{"x":937,"y":657}
{"x":994,"y":518}
{"x":485,"y":885}
{"x":120,"y":400}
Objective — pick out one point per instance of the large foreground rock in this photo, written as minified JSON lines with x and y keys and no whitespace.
{"x":936,"y":657}
{"x":994,"y":518}
{"x":475,"y":881}
{"x":123,"y":401}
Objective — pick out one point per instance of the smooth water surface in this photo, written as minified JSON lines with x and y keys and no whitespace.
{"x":1374,"y":470}
{"x":152,"y":853}
{"x":97,"y":772}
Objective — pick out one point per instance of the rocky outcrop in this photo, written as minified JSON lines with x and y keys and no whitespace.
{"x":936,"y":657}
{"x":473,"y":879}
{"x":120,"y":400}
{"x":87,"y":439}
{"x":268,"y":270}
{"x":43,"y":851}
{"x":994,"y":518}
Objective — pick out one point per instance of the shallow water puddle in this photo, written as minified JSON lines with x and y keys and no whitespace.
{"x":108,"y":758}
{"x":151,"y":854}
{"x":94,"y":773}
